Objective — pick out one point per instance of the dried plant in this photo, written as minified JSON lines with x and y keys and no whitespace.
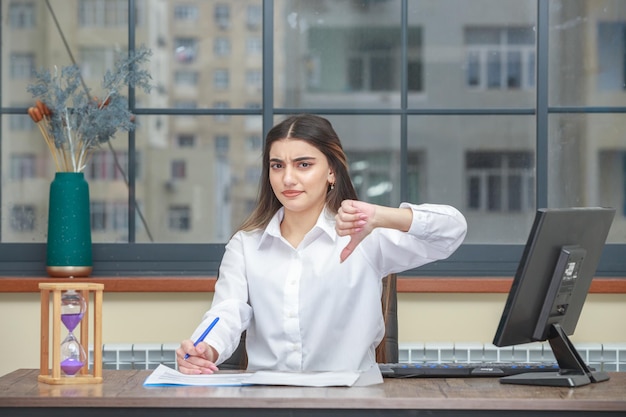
{"x":72,"y":121}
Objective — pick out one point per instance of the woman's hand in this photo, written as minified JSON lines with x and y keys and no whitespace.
{"x":201,"y":358}
{"x":355,"y":219}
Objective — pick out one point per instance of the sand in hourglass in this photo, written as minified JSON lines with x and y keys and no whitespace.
{"x":73,"y":355}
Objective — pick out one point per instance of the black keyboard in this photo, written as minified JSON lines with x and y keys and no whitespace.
{"x":461,"y":370}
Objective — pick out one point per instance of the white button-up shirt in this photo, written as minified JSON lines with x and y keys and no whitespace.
{"x":304,"y":310}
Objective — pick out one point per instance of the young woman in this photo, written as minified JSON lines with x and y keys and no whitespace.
{"x":303,"y":274}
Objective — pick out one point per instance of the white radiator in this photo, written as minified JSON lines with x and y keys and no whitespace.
{"x":605,"y":357}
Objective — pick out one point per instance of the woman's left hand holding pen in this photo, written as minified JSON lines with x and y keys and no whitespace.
{"x":200,"y":360}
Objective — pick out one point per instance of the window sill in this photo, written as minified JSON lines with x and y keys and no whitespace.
{"x":8,"y":284}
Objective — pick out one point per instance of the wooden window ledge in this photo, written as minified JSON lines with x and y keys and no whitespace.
{"x":9,"y":284}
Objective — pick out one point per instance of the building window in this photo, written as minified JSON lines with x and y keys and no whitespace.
{"x":22,"y":15}
{"x":22,"y":218}
{"x":254,"y":45}
{"x":96,"y":60}
{"x":221,"y":105}
{"x":222,"y":143}
{"x":182,"y":77}
{"x":500,"y":58}
{"x":184,"y":140}
{"x":109,"y":216}
{"x":371,"y":175}
{"x":222,"y":16}
{"x":23,"y":166}
{"x":221,"y":79}
{"x":178,"y":170}
{"x":185,"y":12}
{"x":19,"y":122}
{"x":254,"y":80}
{"x":102,"y":166}
{"x":500,"y":181}
{"x":254,"y":143}
{"x":185,"y":50}
{"x":179,"y":218}
{"x":22,"y":65}
{"x":103,"y":13}
{"x":254,"y":17}
{"x":611,"y":46}
{"x":185,"y":104}
{"x":221,"y":47}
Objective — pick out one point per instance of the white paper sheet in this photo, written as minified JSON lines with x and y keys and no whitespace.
{"x":165,"y":376}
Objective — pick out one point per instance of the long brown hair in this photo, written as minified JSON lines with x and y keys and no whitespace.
{"x":318,"y":132}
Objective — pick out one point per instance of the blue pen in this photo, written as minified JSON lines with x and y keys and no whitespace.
{"x":203,"y":335}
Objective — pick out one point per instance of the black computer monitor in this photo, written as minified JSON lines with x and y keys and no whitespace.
{"x":549,"y":289}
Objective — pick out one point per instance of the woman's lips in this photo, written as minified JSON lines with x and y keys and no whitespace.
{"x":291,"y":193}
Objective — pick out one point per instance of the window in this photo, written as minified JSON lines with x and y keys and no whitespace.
{"x":22,"y":218}
{"x":103,"y":166}
{"x":23,"y":166}
{"x":222,"y":16}
{"x":22,"y":65}
{"x":371,"y":174}
{"x":184,"y":77}
{"x":611,"y":46}
{"x":500,"y":181}
{"x":253,"y":17}
{"x":186,"y":140}
{"x":103,"y":13}
{"x":254,"y":80}
{"x":98,"y":214}
{"x":185,"y":50}
{"x":221,"y":47}
{"x":95,"y":61}
{"x":178,"y":170}
{"x":254,"y":143}
{"x":254,"y":45}
{"x":19,"y":122}
{"x":185,"y":12}
{"x":221,"y":79}
{"x":179,"y":218}
{"x":22,"y":14}
{"x":221,"y":105}
{"x":500,"y":58}
{"x":109,"y":216}
{"x":436,"y":104}
{"x":222,"y":145}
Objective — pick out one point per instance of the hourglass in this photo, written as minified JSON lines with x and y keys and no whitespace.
{"x":70,"y":302}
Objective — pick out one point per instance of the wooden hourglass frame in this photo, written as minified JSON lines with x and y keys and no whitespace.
{"x":83,"y":376}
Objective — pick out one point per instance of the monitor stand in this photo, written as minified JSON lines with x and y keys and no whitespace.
{"x":573,"y":372}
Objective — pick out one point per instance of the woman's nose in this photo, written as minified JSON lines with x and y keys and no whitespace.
{"x":288,"y":177}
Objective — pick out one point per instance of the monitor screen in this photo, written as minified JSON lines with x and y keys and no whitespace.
{"x":549,"y":290}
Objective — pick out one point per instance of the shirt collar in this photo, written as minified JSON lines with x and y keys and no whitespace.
{"x":325,"y":223}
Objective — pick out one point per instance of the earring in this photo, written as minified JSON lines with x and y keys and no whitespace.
{"x":332,"y":186}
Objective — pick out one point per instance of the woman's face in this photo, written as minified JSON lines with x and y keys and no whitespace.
{"x":299,"y":175}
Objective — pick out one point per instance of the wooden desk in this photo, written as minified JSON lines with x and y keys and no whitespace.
{"x":122,"y":394}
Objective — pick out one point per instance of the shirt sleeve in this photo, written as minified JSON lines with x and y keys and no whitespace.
{"x":230,"y":303}
{"x":436,"y":231}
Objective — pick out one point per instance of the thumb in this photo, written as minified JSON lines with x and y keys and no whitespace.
{"x":349,"y":249}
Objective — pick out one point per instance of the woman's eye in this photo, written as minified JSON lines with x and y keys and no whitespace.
{"x":275,"y":165}
{"x":305,"y":164}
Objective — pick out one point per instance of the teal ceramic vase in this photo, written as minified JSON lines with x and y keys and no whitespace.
{"x":68,"y":251}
